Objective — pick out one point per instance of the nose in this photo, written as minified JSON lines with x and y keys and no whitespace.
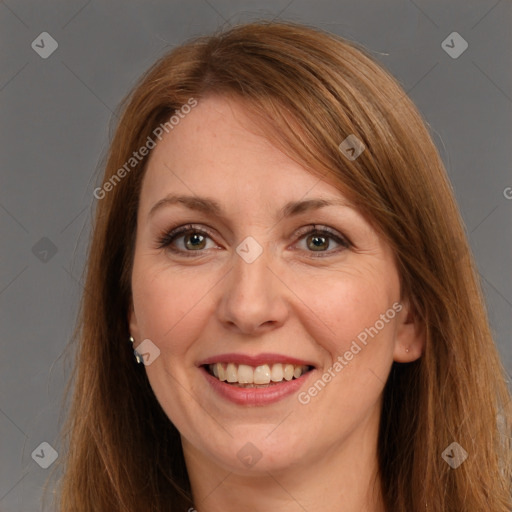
{"x":253,"y":297}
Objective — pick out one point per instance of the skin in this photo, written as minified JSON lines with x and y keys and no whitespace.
{"x":291,"y":300}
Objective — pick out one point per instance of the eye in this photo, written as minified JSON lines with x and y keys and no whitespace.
{"x":192,"y":239}
{"x":188,"y":238}
{"x":319,"y":240}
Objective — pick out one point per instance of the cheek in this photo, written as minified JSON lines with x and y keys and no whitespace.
{"x":168,"y":305}
{"x":347,"y":307}
{"x":358,"y":346}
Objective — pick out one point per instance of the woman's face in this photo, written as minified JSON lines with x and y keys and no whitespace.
{"x":268,"y":281}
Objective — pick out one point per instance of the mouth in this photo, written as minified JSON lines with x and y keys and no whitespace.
{"x":258,"y":379}
{"x":261,"y":376}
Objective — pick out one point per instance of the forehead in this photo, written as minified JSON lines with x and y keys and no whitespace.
{"x":217,"y":150}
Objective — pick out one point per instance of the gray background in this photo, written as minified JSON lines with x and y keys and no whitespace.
{"x":55,"y":116}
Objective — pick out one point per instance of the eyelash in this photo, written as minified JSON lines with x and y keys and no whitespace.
{"x":167,"y":238}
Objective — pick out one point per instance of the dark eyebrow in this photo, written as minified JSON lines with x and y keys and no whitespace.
{"x":297,"y":207}
{"x":202,"y":204}
{"x":211,"y":207}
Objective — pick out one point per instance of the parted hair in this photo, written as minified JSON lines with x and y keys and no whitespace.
{"x":310,"y":90}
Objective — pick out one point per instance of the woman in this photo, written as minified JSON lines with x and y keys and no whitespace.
{"x":282,"y":312}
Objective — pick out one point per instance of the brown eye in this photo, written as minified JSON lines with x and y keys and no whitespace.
{"x":194,"y":241}
{"x":320,"y":241}
{"x":317,"y":242}
{"x":184,"y":239}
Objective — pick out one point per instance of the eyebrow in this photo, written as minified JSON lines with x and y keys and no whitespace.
{"x":212,"y":207}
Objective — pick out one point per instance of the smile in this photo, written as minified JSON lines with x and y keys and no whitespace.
{"x":246,"y":376}
{"x":256,"y":379}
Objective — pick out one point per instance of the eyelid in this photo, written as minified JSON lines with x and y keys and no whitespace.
{"x":335,"y":235}
{"x":320,"y":228}
{"x":167,"y":237}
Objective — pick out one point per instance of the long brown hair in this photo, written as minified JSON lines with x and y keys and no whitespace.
{"x":311,"y":90}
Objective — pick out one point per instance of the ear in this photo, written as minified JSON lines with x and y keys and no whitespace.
{"x":410,"y":335}
{"x":133,"y":324}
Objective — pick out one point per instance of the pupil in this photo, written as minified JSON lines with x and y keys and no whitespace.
{"x":318,"y":241}
{"x":193,"y":239}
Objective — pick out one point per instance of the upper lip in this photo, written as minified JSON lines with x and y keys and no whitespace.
{"x":256,"y":360}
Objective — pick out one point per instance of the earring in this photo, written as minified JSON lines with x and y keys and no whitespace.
{"x":407,"y":349}
{"x":138,"y":357}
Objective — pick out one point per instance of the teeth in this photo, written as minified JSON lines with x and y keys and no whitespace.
{"x":260,"y":375}
{"x":245,"y":374}
{"x":276,"y":374}
{"x":221,"y":372}
{"x":231,"y":373}
{"x":288,"y":372}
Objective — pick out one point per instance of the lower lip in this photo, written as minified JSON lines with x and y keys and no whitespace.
{"x":256,"y":396}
